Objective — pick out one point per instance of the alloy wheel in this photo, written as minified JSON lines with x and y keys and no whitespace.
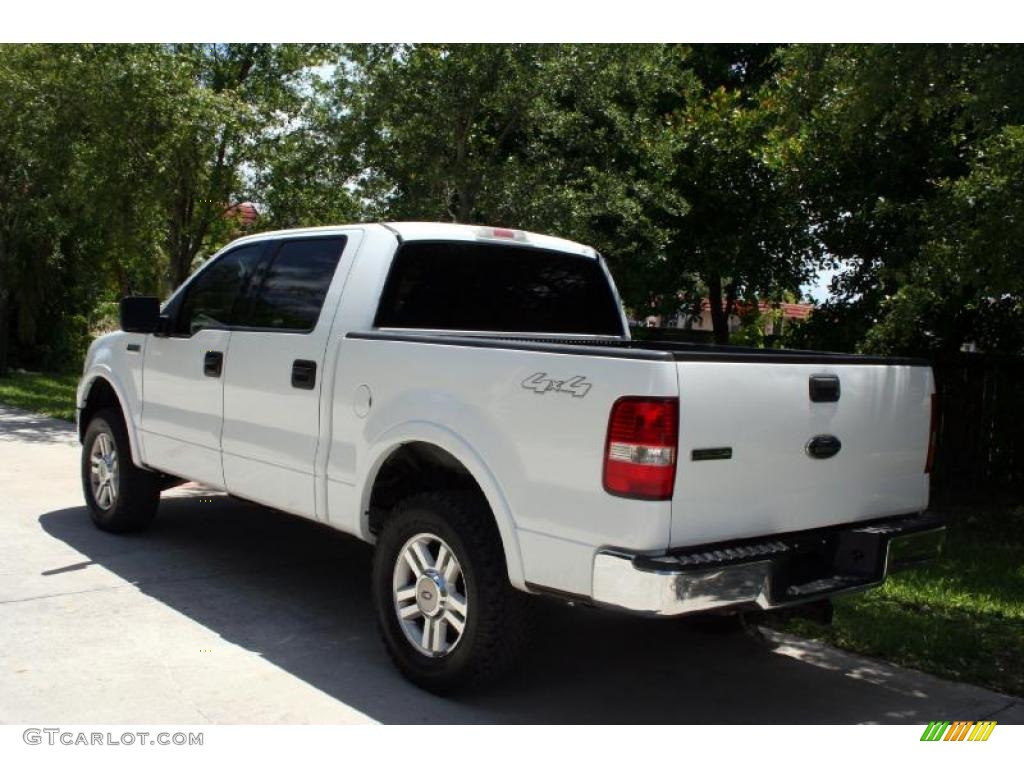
{"x":430,"y":595}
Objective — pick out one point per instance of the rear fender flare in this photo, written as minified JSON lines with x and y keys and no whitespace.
{"x":429,"y":432}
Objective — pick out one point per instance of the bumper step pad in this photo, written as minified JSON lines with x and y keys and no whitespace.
{"x":769,"y":572}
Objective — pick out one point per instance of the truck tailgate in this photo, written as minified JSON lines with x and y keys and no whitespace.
{"x":767,"y":481}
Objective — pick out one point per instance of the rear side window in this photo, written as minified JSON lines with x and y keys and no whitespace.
{"x":500,"y":288}
{"x":291,"y":292}
{"x":212,"y":299}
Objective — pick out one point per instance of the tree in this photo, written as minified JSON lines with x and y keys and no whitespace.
{"x":438,"y":123}
{"x":665,"y":155}
{"x":75,"y":171}
{"x":967,"y":283}
{"x":596,"y":167}
{"x":242,"y":98}
{"x":745,"y":235}
{"x":116,"y":165}
{"x":307,"y":174}
{"x":26,"y":216}
{"x":893,"y":145}
{"x":656,"y":154}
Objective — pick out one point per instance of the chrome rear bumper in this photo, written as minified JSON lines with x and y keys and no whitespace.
{"x":765,"y":573}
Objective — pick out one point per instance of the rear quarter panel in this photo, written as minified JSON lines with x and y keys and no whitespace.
{"x":541,"y":454}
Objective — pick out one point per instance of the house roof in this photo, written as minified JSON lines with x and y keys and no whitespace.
{"x":790,"y":310}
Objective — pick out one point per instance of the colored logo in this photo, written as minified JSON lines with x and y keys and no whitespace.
{"x":959,"y":730}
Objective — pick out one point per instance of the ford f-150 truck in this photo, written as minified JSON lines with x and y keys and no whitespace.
{"x":469,"y":400}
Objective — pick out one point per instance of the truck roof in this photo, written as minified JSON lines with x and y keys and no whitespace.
{"x":431,"y":230}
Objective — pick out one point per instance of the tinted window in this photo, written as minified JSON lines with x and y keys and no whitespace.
{"x":212,"y":299}
{"x":484,"y":287}
{"x":295,"y":284}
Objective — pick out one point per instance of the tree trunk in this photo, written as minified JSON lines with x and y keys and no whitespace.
{"x":5,"y":326}
{"x":5,"y":330}
{"x":463,"y":203}
{"x":186,"y":240}
{"x":180,"y":267}
{"x":467,"y":201}
{"x":719,"y":312}
{"x":177,"y":240}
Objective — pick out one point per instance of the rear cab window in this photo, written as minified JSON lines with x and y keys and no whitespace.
{"x":499,"y":288}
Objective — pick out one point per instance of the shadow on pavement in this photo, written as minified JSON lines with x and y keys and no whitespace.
{"x":297,"y":593}
{"x":16,"y":424}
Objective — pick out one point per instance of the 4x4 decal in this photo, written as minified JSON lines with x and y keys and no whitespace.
{"x":577,"y":386}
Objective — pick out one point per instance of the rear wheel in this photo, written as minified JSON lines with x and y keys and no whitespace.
{"x":121,"y":497}
{"x":446,"y":611}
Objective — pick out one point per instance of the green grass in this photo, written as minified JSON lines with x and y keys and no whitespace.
{"x":961,"y":618}
{"x":52,"y":394}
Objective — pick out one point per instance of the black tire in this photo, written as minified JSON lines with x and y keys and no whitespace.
{"x":138,"y":491}
{"x":499,"y":617}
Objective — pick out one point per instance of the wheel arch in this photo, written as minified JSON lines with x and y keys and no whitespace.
{"x":443,"y":451}
{"x":100,"y":389}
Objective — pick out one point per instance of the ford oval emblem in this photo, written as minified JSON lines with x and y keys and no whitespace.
{"x":823,"y":446}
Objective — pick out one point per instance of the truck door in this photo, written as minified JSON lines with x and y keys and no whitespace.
{"x":183,"y":373}
{"x":276,"y":370}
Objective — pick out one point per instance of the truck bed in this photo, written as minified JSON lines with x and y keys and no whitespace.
{"x":746,"y":466}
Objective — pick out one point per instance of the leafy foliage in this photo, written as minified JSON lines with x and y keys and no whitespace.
{"x":728,"y":173}
{"x":909,"y":158}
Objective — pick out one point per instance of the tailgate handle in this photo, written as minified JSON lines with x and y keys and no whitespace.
{"x":824,"y":389}
{"x":823,"y":447}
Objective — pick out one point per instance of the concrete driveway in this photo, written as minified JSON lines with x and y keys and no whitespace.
{"x":226,"y":612}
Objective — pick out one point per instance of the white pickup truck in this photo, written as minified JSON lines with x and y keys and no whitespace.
{"x":469,"y":399}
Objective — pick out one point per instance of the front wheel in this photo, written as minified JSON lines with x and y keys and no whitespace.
{"x":121,"y":496}
{"x":447,"y":613}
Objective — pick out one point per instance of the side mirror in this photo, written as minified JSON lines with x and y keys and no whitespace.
{"x":140,"y":314}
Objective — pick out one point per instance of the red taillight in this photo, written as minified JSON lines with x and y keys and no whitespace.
{"x":933,"y":434}
{"x":640,"y":452}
